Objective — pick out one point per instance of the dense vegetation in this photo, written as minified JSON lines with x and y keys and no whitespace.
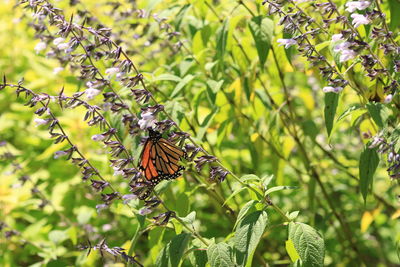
{"x":286,"y":110}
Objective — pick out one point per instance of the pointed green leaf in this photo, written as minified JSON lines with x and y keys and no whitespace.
{"x":262,"y":29}
{"x":248,"y":235}
{"x":220,"y":255}
{"x":308,"y":243}
{"x":369,"y":161}
{"x":331,"y":103}
{"x":172,"y":253}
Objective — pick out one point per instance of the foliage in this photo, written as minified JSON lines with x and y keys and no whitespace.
{"x":287,"y":111}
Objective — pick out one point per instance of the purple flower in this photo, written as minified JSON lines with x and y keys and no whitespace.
{"x":286,"y":42}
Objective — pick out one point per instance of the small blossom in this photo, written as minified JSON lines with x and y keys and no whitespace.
{"x":40,"y":122}
{"x":353,"y":5}
{"x":59,"y":154}
{"x":57,"y":70}
{"x":347,"y":54}
{"x":118,"y":172}
{"x":101,"y":207}
{"x":388,"y":99}
{"x":40,"y":47}
{"x":63,"y":46}
{"x":145,"y":211}
{"x":147,"y":120}
{"x":98,"y":137}
{"x":337,"y":37}
{"x":286,"y":42}
{"x":112,"y":71}
{"x":58,"y":41}
{"x":92,"y":93}
{"x":328,"y":89}
{"x":359,"y":19}
{"x":129,"y":197}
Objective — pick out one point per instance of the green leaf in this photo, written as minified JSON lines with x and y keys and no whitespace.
{"x":179,"y":17}
{"x":262,"y":29}
{"x":222,"y":38}
{"x":290,"y":249}
{"x":378,"y":113}
{"x":182,"y":84}
{"x":167,"y":77}
{"x":220,"y":255}
{"x":58,"y":236}
{"x":369,"y":161}
{"x":308,"y":243}
{"x":244,"y":210}
{"x":248,"y":235}
{"x":394,"y":14}
{"x":348,"y":112}
{"x":172,"y":253}
{"x":331,"y":103}
{"x":198,"y":257}
{"x":278,"y":188}
{"x":249,"y":177}
{"x":206,"y":123}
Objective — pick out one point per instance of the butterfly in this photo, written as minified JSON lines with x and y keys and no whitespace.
{"x":160,"y":158}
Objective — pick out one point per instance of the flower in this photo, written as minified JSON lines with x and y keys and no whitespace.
{"x":59,"y":154}
{"x":40,"y":46}
{"x":328,"y":89}
{"x":112,"y":71}
{"x":337,"y":37}
{"x":147,"y":120}
{"x":58,"y":41}
{"x":58,"y":70}
{"x":388,"y":99}
{"x":40,"y":122}
{"x":63,"y":46}
{"x":98,"y":137}
{"x":360,"y":5}
{"x":359,"y":19}
{"x":347,"y":55}
{"x":345,"y":52}
{"x":287,"y":42}
{"x":145,"y":211}
{"x":92,"y":93}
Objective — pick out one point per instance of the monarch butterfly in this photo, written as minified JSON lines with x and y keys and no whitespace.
{"x":159,"y":159}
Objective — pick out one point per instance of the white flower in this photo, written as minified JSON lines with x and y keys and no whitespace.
{"x":359,"y":19}
{"x":112,"y":71}
{"x":360,"y":5}
{"x":63,"y":46}
{"x":342,"y":46}
{"x":388,"y":99}
{"x":40,"y":122}
{"x":59,"y":154}
{"x":286,"y":42}
{"x":58,"y":70}
{"x":337,"y":37}
{"x":328,"y":89}
{"x":58,"y":41}
{"x":147,"y":120}
{"x":98,"y":137}
{"x":92,"y":93}
{"x":40,"y":46}
{"x":347,"y":54}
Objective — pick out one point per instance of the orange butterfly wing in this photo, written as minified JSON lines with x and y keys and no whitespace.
{"x":160,"y":160}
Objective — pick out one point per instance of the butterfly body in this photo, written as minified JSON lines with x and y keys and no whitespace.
{"x":160,"y":159}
